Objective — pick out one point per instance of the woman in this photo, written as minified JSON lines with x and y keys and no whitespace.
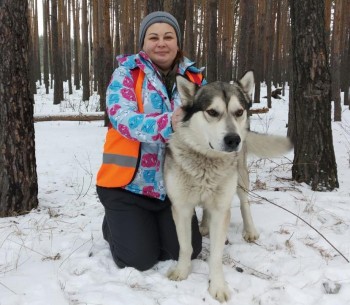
{"x":141,"y":100}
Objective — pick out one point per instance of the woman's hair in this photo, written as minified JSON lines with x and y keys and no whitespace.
{"x":179,"y":56}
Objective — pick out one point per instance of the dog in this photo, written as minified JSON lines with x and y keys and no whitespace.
{"x":205,"y":161}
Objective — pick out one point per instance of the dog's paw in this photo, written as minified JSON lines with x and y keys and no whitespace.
{"x":251,"y":235}
{"x":204,"y":230}
{"x":178,"y":274}
{"x":219,"y":292}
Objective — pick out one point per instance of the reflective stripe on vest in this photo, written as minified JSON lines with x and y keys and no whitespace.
{"x":119,"y":160}
{"x":121,"y":155}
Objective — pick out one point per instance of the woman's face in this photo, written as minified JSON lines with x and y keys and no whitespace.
{"x":161,"y":45}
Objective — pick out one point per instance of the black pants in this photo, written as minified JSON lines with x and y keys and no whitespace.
{"x":141,"y":230}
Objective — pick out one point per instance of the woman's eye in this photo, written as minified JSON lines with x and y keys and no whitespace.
{"x":212,"y":113}
{"x":239,"y":113}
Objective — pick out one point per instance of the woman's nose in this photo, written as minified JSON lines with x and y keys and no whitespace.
{"x":161,"y":42}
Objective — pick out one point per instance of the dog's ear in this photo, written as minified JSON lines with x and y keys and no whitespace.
{"x":247,"y":82}
{"x":186,"y":90}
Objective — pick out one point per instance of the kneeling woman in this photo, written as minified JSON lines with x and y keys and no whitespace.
{"x":142,"y":105}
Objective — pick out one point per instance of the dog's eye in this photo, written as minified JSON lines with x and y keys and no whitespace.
{"x":239,"y":113}
{"x":213,"y":113}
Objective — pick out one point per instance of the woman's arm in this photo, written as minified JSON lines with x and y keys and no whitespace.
{"x":125,"y":117}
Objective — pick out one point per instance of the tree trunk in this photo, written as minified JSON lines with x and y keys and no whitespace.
{"x":57,"y":59}
{"x":335,"y":59}
{"x":189,"y":46}
{"x":314,"y":160}
{"x":269,"y":38}
{"x":63,"y":42}
{"x":347,"y":80}
{"x":96,"y":64}
{"x":259,"y":54}
{"x":228,"y":19}
{"x":85,"y":52}
{"x":76,"y":30}
{"x":179,"y":12}
{"x":117,"y":34}
{"x":155,"y":5}
{"x":36,"y":44}
{"x":108,"y":69}
{"x":31,"y":52}
{"x":46,"y":45}
{"x":246,"y":45}
{"x":212,"y":41}
{"x":18,"y":177}
{"x":69,"y":48}
{"x":276,"y":67}
{"x":344,"y":67}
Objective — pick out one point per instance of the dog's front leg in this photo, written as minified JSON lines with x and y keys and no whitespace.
{"x":249,"y":231}
{"x":204,"y":227}
{"x":218,"y":224}
{"x":182,"y":218}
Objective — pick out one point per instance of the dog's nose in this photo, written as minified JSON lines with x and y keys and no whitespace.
{"x":232,"y":141}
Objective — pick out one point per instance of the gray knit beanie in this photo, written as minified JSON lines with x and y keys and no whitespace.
{"x":156,"y":17}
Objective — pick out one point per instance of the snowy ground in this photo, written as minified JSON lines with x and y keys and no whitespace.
{"x":56,"y":254}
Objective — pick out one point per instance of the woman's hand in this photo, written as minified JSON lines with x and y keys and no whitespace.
{"x":177,"y":117}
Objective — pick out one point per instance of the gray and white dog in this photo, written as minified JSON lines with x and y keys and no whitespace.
{"x":206,"y":160}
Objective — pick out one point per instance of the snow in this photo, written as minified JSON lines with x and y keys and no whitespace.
{"x":56,"y":255}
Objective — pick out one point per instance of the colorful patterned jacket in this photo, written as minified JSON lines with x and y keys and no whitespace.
{"x":153,"y":127}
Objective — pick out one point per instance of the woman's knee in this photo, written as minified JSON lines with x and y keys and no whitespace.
{"x":139,"y":262}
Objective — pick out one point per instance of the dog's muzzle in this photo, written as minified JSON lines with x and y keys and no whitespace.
{"x":232,"y":142}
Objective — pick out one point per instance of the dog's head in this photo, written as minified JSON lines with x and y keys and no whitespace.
{"x":216,"y":117}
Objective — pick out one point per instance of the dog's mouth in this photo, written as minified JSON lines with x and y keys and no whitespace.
{"x":225,"y":150}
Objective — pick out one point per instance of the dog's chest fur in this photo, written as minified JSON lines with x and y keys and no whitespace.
{"x":198,"y":178}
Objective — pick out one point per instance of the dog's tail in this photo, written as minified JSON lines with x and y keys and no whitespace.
{"x":267,"y":146}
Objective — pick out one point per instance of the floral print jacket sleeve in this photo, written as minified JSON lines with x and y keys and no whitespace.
{"x":152,"y":126}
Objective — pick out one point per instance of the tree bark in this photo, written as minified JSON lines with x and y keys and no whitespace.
{"x":259,"y":53}
{"x":246,"y":45}
{"x":179,"y":12}
{"x":18,"y":177}
{"x":76,"y":30}
{"x":189,"y":46}
{"x":69,"y":49}
{"x":57,"y":56}
{"x":314,"y":160}
{"x":269,"y":40}
{"x":335,"y":59}
{"x":154,"y":5}
{"x":85,"y":77}
{"x":212,"y":73}
{"x":46,"y":45}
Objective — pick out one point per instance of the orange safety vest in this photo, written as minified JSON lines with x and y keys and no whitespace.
{"x":121,"y":155}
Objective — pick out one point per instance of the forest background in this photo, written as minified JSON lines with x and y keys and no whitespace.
{"x":77,"y":41}
{"x":304,"y":44}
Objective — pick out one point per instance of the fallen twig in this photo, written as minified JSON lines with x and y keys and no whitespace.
{"x":8,"y":288}
{"x":258,"y":110}
{"x":255,"y":195}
